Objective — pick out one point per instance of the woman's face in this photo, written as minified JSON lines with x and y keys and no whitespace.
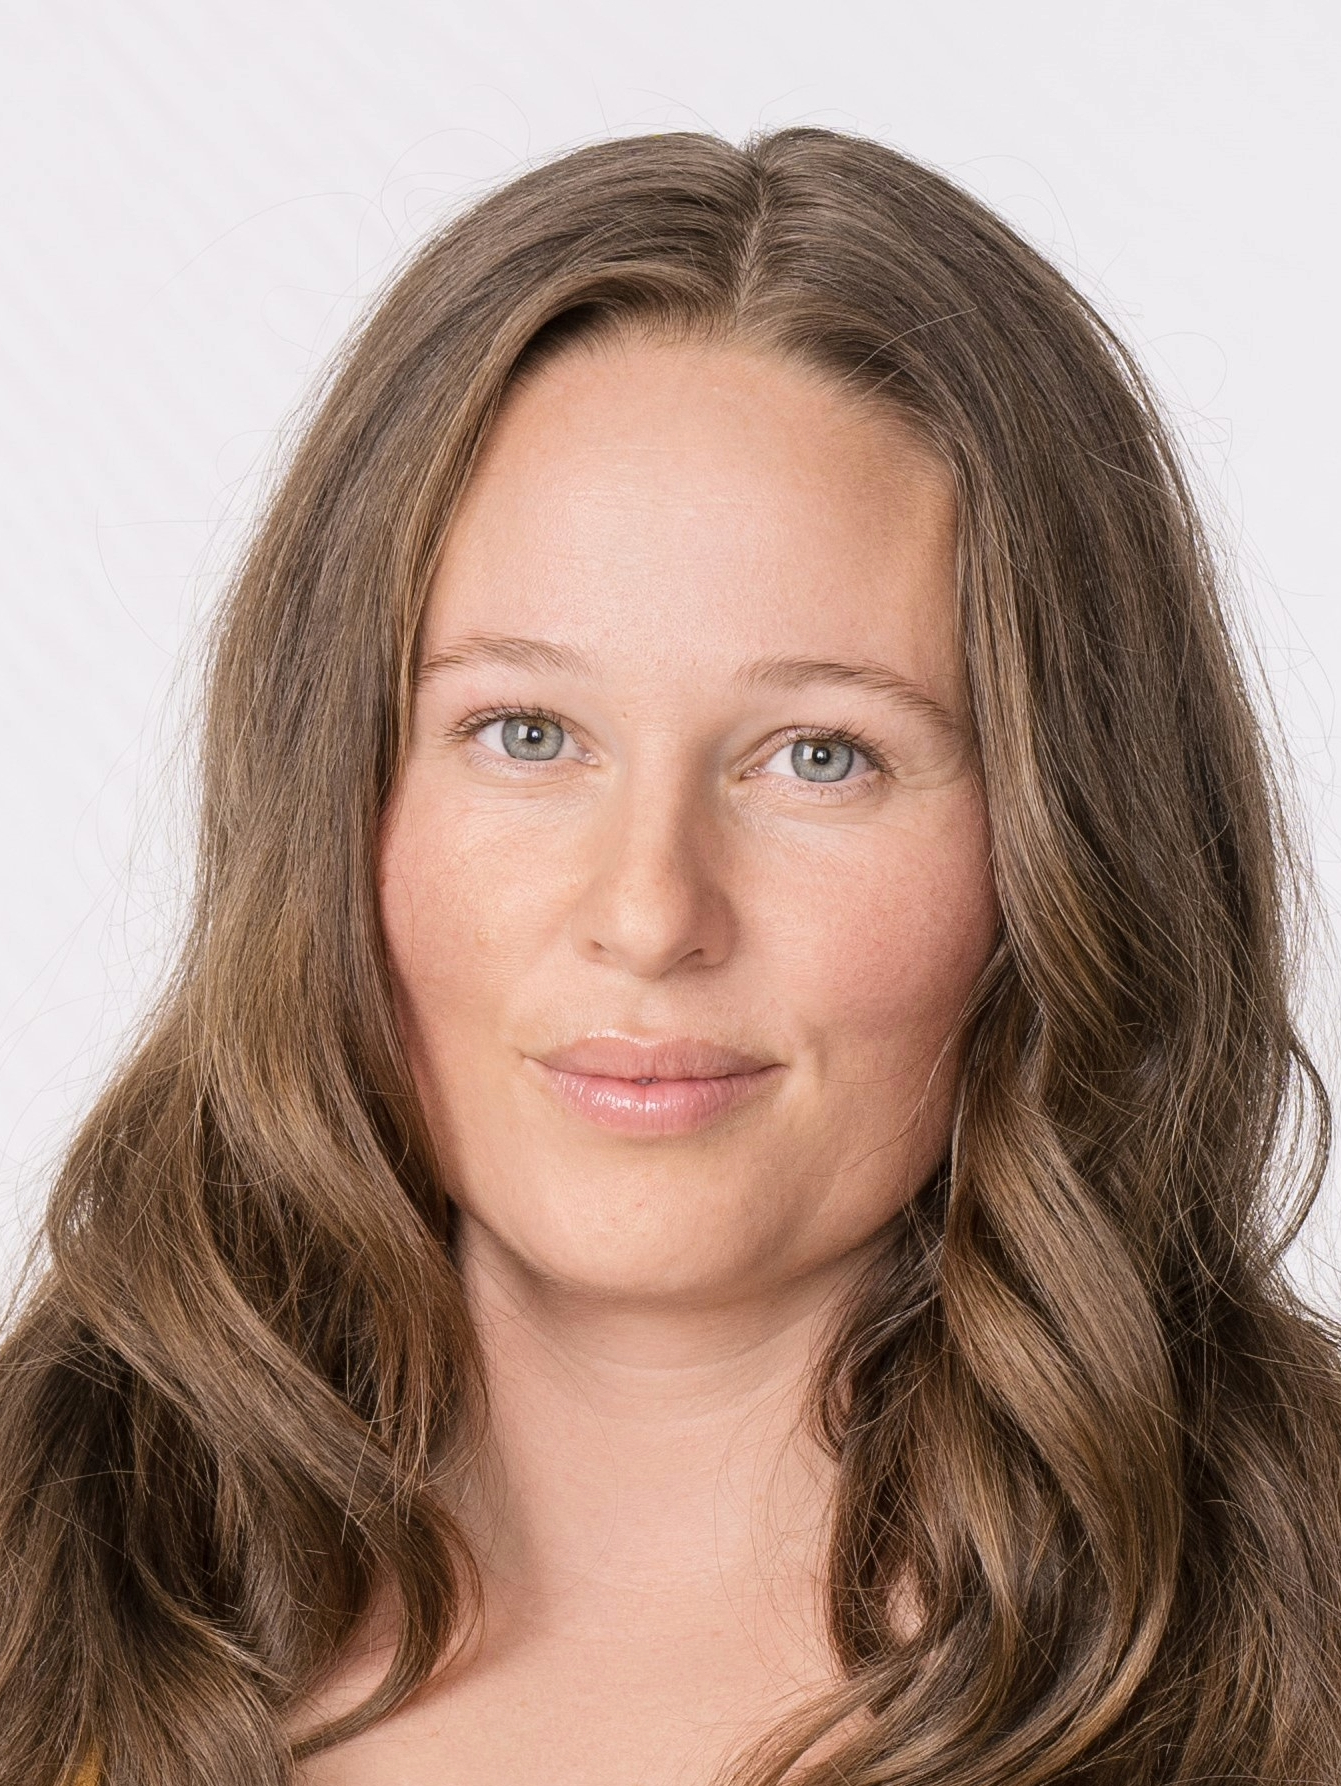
{"x":690,"y":799}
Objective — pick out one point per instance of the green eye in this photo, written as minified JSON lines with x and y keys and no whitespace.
{"x":822,"y":759}
{"x":530,"y":737}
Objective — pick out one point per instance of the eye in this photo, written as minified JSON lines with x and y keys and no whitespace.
{"x":821,"y":757}
{"x":526,"y":735}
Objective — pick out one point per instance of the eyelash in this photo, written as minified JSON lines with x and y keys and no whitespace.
{"x":474,"y":723}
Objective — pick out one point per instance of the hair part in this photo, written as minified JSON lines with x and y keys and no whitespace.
{"x":1078,"y":1415}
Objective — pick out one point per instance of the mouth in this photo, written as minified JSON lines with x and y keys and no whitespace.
{"x":655,"y":1106}
{"x":659,"y":1086}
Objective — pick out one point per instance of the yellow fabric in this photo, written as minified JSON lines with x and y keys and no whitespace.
{"x":88,"y":1773}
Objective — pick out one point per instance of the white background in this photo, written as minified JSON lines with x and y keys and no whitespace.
{"x":199,"y":198}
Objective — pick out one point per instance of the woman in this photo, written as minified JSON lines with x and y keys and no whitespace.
{"x":707,"y":1199}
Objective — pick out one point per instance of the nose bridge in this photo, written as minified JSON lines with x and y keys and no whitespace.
{"x":655,"y":894}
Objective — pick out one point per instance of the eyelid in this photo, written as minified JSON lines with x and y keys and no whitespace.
{"x":849,"y":735}
{"x":474,"y":723}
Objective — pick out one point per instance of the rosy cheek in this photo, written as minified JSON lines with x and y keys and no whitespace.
{"x":917,"y":936}
{"x":447,"y":904}
{"x":411,"y":896}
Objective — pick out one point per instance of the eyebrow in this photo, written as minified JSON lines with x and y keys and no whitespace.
{"x":805,"y":672}
{"x":765,"y":672}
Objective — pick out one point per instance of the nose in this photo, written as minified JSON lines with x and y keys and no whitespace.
{"x":654,"y":898}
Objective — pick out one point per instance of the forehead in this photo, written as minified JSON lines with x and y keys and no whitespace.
{"x":649,"y":499}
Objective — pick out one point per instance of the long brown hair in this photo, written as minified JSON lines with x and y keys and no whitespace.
{"x":1077,"y":1406}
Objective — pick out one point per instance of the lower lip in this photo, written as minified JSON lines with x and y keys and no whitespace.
{"x":665,"y":1107}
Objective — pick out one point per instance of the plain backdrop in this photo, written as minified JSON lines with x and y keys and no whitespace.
{"x":199,"y":199}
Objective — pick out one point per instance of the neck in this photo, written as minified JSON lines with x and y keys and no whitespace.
{"x":650,"y":1463}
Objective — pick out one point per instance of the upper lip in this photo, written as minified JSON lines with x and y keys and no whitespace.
{"x":666,"y":1057}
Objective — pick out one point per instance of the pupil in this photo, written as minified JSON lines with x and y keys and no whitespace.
{"x":819,"y":761}
{"x":536,"y":739}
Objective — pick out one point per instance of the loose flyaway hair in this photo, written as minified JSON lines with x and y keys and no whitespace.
{"x":1080,"y":1420}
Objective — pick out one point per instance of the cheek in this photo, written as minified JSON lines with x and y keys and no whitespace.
{"x":469,"y":901}
{"x":887,"y":944}
{"x":866,"y":952}
{"x":440,"y":923}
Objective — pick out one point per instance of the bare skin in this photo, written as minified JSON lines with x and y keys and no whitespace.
{"x":651,"y":1517}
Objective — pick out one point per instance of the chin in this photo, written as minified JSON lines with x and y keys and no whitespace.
{"x":627,"y":1253}
{"x":659,"y":1249}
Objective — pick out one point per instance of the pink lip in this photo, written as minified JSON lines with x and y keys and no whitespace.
{"x":666,"y":1087}
{"x":613,"y":1056}
{"x":660,"y":1107}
